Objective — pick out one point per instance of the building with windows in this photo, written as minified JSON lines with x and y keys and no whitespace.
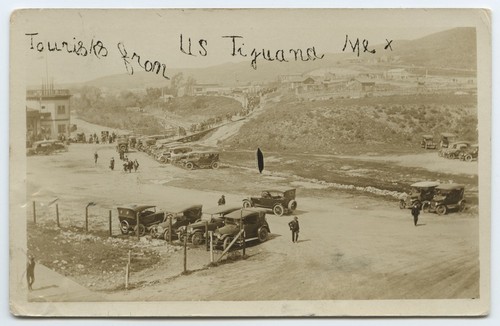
{"x":47,"y":113}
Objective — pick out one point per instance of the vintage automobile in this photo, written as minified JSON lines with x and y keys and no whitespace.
{"x":446,"y":139}
{"x":470,"y":153}
{"x":45,"y":147}
{"x":454,"y":149}
{"x":447,"y":197}
{"x":180,"y":217}
{"x":148,"y":217}
{"x":254,"y":223}
{"x":280,"y":201}
{"x":428,"y":142}
{"x":177,"y":153}
{"x":421,"y":193}
{"x":122,"y":144}
{"x":213,"y":218}
{"x":200,"y":160}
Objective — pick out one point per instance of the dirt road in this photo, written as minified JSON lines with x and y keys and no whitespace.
{"x":351,"y":246}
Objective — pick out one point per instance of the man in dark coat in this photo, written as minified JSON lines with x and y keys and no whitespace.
{"x":415,"y":211}
{"x":295,"y":228}
{"x":222,"y":200}
{"x":30,"y":272}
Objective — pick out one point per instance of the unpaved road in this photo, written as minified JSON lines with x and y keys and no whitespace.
{"x":351,"y":246}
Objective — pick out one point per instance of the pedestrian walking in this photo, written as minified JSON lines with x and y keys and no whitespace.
{"x":112,"y":164}
{"x":295,"y":228}
{"x":222,"y":201}
{"x":130,"y":166}
{"x":96,"y":156}
{"x":30,"y":272}
{"x":415,"y":211}
{"x":136,"y":165}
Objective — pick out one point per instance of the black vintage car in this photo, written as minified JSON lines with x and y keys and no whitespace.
{"x":180,"y":217}
{"x":254,"y":223}
{"x":148,"y":216}
{"x":449,"y":196}
{"x":280,"y":201}
{"x":213,"y":218}
{"x":421,"y":193}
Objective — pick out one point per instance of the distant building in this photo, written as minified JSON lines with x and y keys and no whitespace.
{"x":398,"y":73}
{"x":47,"y":113}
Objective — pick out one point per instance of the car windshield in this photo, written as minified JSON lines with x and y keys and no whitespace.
{"x":232,"y":221}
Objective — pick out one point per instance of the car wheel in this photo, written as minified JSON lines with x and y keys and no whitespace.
{"x":426,"y":205}
{"x":461,"y":206}
{"x":153,"y":231}
{"x":247,"y":204}
{"x":142,"y":230}
{"x":278,"y":210}
{"x":215,"y":165}
{"x":441,"y":210}
{"x":197,"y":239}
{"x":189,"y":165}
{"x":226,"y":243}
{"x":451,"y":156}
{"x":402,"y":204}
{"x":292,"y":205}
{"x":262,"y":234}
{"x":124,"y":227}
{"x":468,"y":158}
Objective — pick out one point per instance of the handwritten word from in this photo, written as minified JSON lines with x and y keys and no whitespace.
{"x":78,"y":48}
{"x":148,"y":66}
{"x":356,"y":48}
{"x":270,"y":55}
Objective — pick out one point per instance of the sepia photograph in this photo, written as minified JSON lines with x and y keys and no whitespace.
{"x":250,"y":162}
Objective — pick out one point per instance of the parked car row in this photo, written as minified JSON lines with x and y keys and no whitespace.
{"x":462,"y":150}
{"x":435,"y":197}
{"x":193,"y":223}
{"x":45,"y":147}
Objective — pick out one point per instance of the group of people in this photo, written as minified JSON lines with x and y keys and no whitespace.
{"x":128,"y":165}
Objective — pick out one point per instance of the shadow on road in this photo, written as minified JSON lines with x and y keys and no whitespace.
{"x":45,"y":287}
{"x":305,"y":240}
{"x":420,"y":224}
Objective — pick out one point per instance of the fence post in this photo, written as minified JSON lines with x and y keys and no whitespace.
{"x":137,"y":225}
{"x":110,"y":227}
{"x":185,"y":254}
{"x":211,"y":247}
{"x":206,"y":234}
{"x":127,"y":271}
{"x":57,"y":215}
{"x":87,"y":219}
{"x":34,"y":212}
{"x":244,"y":243}
{"x":170,"y":229}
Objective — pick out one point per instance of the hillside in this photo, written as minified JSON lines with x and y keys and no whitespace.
{"x":374,"y":124}
{"x":447,"y":50}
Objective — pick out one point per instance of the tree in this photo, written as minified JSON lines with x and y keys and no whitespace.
{"x":175,"y":83}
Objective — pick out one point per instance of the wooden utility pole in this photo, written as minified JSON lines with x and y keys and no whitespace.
{"x":127,"y":271}
{"x":110,"y":227}
{"x":57,"y":215}
{"x":34,"y":212}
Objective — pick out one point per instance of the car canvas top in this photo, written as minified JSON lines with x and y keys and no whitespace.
{"x":220,"y":209}
{"x":182,"y":208}
{"x":425,"y":184}
{"x":450,"y":186}
{"x":244,"y":212}
{"x":136,"y":207}
{"x":427,"y":136}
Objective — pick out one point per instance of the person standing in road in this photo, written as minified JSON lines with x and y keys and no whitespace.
{"x":136,"y":165}
{"x":30,"y":272}
{"x":222,"y":201}
{"x":295,"y":228}
{"x":415,"y":211}
{"x":112,"y":164}
{"x":96,"y":156}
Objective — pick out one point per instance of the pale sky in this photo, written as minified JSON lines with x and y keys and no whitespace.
{"x":155,"y":35}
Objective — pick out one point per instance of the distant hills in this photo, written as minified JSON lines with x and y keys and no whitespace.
{"x":451,"y":50}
